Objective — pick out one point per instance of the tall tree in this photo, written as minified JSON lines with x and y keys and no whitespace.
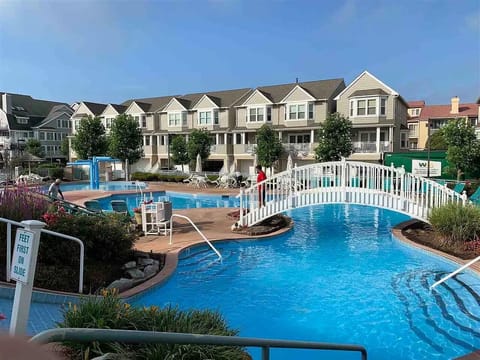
{"x":269,"y":147}
{"x":34,"y":147}
{"x":90,"y":139}
{"x":437,"y":141}
{"x":125,"y":141}
{"x":65,"y":148}
{"x":199,"y":142}
{"x":334,"y":138}
{"x":463,"y":152}
{"x":179,"y":151}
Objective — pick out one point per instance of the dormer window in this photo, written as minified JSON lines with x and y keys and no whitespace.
{"x":177,"y":118}
{"x":22,"y":120}
{"x":371,"y":106}
{"x":300,"y":111}
{"x":259,"y":114}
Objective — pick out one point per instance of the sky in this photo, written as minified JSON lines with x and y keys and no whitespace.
{"x":108,"y":51}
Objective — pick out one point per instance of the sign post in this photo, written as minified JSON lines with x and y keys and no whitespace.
{"x":23,"y":266}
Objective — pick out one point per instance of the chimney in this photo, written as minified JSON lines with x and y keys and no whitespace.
{"x":455,"y":103}
{"x":7,"y":103}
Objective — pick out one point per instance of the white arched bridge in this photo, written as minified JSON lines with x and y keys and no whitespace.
{"x":344,"y":181}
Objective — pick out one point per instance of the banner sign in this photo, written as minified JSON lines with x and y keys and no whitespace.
{"x":420,"y":168}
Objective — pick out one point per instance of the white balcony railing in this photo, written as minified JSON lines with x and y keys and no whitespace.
{"x":370,"y":146}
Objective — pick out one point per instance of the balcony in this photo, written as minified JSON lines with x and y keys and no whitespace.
{"x":244,"y":148}
{"x":413,"y":134}
{"x":220,"y":149}
{"x":370,"y":146}
{"x":298,"y":147}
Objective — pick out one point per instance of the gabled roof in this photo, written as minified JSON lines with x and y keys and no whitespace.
{"x":366,"y":73}
{"x":151,"y":104}
{"x":120,"y":108}
{"x":95,"y":108}
{"x":443,"y":111}
{"x":416,"y":104}
{"x":320,"y":89}
{"x":57,"y":111}
{"x":25,"y":105}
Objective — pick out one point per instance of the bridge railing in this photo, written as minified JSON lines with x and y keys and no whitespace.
{"x":344,"y":182}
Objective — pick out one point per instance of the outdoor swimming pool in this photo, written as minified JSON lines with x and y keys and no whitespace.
{"x":179,"y":200}
{"x":338,"y":276}
{"x":107,"y":186}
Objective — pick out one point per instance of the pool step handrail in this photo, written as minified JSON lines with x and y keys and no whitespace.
{"x":445,"y":278}
{"x":156,"y":337}
{"x":196,"y":228}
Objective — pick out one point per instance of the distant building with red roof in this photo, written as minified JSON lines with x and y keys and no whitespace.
{"x":422,"y":117}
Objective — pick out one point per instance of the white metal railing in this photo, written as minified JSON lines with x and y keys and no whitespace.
{"x":470,"y":263}
{"x":196,"y":228}
{"x":345,"y":182}
{"x":68,"y":237}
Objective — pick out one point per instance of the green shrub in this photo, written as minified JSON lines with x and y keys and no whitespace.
{"x":109,"y":312}
{"x":140,"y":176}
{"x":456,"y":223}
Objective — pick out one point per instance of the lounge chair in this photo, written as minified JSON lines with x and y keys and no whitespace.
{"x":475,"y":198}
{"x":119,"y":206}
{"x":93,"y":206}
{"x":459,"y":188}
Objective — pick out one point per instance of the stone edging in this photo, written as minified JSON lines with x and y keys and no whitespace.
{"x":397,"y":232}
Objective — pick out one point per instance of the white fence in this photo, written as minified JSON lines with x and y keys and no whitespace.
{"x":344,"y":182}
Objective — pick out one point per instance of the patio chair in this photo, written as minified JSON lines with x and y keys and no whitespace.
{"x":475,"y":198}
{"x":119,"y":206}
{"x":93,"y":206}
{"x":459,"y":188}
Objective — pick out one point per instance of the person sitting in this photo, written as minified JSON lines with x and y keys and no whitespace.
{"x":54,"y":190}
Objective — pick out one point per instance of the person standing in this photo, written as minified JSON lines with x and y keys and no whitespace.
{"x":261,"y":176}
{"x":54,"y":190}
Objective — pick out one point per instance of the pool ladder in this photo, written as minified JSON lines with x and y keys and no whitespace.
{"x":196,"y":228}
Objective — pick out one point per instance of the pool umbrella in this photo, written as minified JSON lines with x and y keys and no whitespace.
{"x":198,"y":165}
{"x":289,"y":162}
{"x":233,"y":168}
{"x":255,"y":160}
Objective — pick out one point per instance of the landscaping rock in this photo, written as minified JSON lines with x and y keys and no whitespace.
{"x":145,"y":261}
{"x":150,"y":270}
{"x":129,"y":265}
{"x":135,"y":273}
{"x":121,"y":284}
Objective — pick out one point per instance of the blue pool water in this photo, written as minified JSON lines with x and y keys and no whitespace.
{"x":179,"y":200}
{"x":338,"y":276}
{"x":107,"y":186}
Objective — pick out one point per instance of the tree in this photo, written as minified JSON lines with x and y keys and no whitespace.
{"x":269,"y":147}
{"x":34,"y":147}
{"x":179,"y":151}
{"x":334,"y":139}
{"x":125,"y":140}
{"x":90,"y":139}
{"x":463,"y":152}
{"x":199,"y":142}
{"x":65,"y":148}
{"x":437,"y":141}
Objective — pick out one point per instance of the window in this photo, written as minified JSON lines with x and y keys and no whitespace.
{"x":42,"y":136}
{"x":372,"y":106}
{"x":147,"y":140}
{"x":413,"y":130}
{"x":299,"y":139}
{"x":109,"y":122}
{"x":256,"y":114}
{"x":59,"y":123}
{"x":144,"y":121}
{"x":310,"y":110}
{"x":177,"y":119}
{"x":403,"y":140}
{"x":215,"y":117}
{"x":269,"y":113}
{"x":361,"y":107}
{"x":49,"y":136}
{"x":204,"y":117}
{"x":22,"y":120}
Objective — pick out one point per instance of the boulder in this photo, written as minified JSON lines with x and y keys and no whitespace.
{"x":151,"y":270}
{"x":129,"y":265}
{"x":135,"y":273}
{"x":145,"y":261}
{"x":121,"y":284}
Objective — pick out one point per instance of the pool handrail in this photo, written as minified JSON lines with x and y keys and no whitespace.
{"x":445,"y":278}
{"x":196,"y":228}
{"x":154,"y":337}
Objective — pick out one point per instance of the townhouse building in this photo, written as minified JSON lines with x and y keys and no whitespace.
{"x":424,"y":119}
{"x":23,"y":117}
{"x":233,"y":117}
{"x":379,"y":117}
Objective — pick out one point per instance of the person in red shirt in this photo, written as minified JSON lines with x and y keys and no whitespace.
{"x":261,"y":188}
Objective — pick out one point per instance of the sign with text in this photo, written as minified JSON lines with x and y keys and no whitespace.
{"x":420,"y":168}
{"x":22,"y":256}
